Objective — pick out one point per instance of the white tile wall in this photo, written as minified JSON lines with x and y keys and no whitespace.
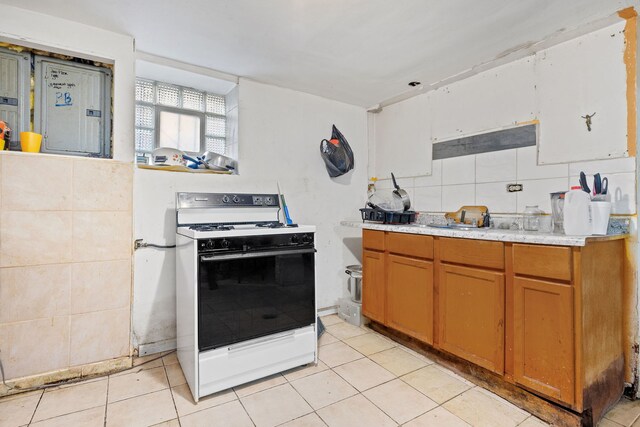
{"x":536,"y":192}
{"x":496,"y":166}
{"x":427,"y":198}
{"x":495,"y":196}
{"x":454,"y":196}
{"x":482,"y":180}
{"x":459,"y":170}
{"x":434,"y":179}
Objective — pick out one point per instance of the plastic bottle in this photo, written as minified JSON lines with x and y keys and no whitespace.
{"x":577,"y":212}
{"x":371,"y":188}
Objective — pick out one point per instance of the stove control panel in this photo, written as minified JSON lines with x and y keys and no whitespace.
{"x":256,"y":243}
{"x":217,"y":200}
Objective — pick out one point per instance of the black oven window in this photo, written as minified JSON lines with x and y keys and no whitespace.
{"x":241,"y":299}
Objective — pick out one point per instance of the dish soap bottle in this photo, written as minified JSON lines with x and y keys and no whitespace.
{"x":532,"y":216}
{"x":577,"y":212}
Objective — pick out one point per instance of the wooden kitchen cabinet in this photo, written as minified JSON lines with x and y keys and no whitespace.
{"x":410,"y":296}
{"x":471,"y":315}
{"x":373,"y":285}
{"x":567,"y":323}
{"x":545,"y":319}
{"x":543,"y":337}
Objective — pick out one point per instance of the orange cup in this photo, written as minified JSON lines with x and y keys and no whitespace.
{"x":30,"y":142}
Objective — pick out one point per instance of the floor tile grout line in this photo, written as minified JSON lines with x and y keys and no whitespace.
{"x":36,"y":408}
{"x":245,"y":409}
{"x":376,"y":406}
{"x":175,"y":407}
{"x":268,"y":388}
{"x":65,"y":414}
{"x":138,"y":395}
{"x":313,"y":410}
{"x":106,"y":402}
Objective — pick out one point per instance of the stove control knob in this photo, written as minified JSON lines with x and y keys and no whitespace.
{"x":295,"y":239}
{"x":307,"y":238}
{"x":210,"y":244}
{"x":225,"y":244}
{"x":225,"y":199}
{"x":236,"y":199}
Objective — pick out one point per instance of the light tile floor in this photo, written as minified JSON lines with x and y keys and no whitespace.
{"x":362,"y":379}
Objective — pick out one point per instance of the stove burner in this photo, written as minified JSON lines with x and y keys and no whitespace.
{"x":211,"y":227}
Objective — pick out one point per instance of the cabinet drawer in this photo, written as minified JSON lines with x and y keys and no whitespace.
{"x":480,"y":253}
{"x":553,"y":262}
{"x":414,"y":245}
{"x":373,"y":240}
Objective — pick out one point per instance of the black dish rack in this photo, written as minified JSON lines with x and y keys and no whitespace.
{"x":387,"y":217}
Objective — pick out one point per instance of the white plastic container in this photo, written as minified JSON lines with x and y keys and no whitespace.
{"x":577,"y":213}
{"x":600,"y":211}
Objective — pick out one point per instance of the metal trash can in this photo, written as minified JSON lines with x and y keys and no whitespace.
{"x":354,"y":285}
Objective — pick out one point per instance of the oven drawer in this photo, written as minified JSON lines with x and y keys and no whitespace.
{"x":240,"y":363}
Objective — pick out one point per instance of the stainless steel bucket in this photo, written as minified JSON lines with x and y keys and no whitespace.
{"x":354,"y":285}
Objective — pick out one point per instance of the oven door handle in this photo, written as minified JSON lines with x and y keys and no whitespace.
{"x":206,"y":258}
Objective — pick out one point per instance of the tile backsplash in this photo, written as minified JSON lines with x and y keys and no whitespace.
{"x":482,"y":179}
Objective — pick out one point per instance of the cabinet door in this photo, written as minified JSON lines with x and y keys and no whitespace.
{"x":373,"y":285}
{"x":472,"y":315}
{"x":410,"y":297}
{"x":543,"y":337}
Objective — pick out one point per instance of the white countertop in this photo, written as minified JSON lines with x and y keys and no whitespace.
{"x":486,"y":234}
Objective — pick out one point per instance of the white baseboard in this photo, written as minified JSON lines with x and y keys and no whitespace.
{"x":327,"y":310}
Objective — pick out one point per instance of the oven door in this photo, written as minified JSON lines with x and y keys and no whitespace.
{"x":250,"y":295}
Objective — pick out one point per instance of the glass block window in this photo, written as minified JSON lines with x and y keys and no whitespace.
{"x":154,"y":99}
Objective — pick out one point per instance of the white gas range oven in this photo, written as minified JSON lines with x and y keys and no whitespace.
{"x":245,"y":285}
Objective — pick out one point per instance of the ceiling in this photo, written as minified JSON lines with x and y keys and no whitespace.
{"x":361,"y":52}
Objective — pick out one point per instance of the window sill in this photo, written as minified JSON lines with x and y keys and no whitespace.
{"x":183,"y":169}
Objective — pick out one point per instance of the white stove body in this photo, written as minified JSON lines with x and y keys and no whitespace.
{"x":211,"y":371}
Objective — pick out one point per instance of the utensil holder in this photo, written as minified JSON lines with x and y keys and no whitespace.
{"x":600,"y":213}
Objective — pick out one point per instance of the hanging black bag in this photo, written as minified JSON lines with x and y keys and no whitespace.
{"x":337,"y":154}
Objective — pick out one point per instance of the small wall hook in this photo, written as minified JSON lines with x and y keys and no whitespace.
{"x":587,"y":119}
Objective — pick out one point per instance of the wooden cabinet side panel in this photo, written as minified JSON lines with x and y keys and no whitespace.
{"x":471,"y":315}
{"x":601,"y":288}
{"x":410,"y":297}
{"x":373,"y":285}
{"x":544,"y":338}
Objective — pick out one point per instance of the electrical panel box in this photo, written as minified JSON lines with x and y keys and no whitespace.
{"x":15,"y":69}
{"x":73,"y":107}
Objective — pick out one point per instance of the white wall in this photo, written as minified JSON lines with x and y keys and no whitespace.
{"x":279,"y":137}
{"x":501,"y":98}
{"x":57,"y":35}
